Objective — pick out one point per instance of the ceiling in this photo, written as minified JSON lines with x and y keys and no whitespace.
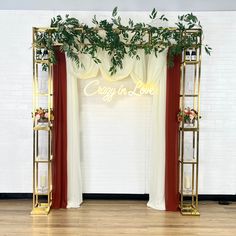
{"x":128,"y":5}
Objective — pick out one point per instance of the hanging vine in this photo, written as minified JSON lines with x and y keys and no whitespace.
{"x":118,"y":39}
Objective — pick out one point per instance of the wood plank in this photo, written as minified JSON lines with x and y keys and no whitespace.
{"x":115,"y":217}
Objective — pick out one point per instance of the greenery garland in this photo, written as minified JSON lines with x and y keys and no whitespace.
{"x":118,"y":40}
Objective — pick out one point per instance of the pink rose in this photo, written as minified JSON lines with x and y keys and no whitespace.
{"x":191,"y":117}
{"x":180,"y":118}
{"x":37,"y":117}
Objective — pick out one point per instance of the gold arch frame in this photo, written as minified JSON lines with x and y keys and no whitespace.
{"x":188,"y":201}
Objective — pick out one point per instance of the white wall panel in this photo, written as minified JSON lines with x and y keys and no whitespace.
{"x":115,"y":137}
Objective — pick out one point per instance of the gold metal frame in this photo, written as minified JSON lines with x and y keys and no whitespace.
{"x":186,"y":207}
{"x":42,"y":201}
{"x":189,"y":200}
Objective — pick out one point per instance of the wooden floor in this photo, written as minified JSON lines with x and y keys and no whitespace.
{"x":109,"y":218}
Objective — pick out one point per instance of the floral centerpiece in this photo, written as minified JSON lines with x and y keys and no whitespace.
{"x":188,"y":115}
{"x":41,"y":115}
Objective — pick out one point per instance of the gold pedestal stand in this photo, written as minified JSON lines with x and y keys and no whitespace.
{"x":189,"y":133}
{"x":189,"y":210}
{"x":42,"y":184}
{"x":41,"y":209}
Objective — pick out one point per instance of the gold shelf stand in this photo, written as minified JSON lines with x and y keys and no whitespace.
{"x":42,"y":200}
{"x":189,"y":198}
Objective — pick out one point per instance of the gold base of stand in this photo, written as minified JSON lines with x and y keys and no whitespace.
{"x":189,"y":210}
{"x":42,"y":209}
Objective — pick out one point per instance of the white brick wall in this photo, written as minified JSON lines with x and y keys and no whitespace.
{"x":218,"y":109}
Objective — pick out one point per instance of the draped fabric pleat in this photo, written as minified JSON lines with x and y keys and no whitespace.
{"x":172,"y":109}
{"x":150,"y":69}
{"x":156,"y":71}
{"x":59,"y":165}
{"x":74,"y":187}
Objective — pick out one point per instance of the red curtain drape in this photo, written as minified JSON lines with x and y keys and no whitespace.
{"x":59,"y":167}
{"x":172,"y":109}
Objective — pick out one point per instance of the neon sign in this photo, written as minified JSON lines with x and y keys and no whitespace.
{"x":94,"y":87}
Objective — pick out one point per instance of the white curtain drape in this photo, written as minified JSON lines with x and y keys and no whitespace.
{"x":150,"y":69}
{"x":157,"y":73}
{"x":74,"y":178}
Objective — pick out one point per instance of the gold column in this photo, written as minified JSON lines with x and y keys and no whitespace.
{"x":42,"y":198}
{"x":189,"y":199}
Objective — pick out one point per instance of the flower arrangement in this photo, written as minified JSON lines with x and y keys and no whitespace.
{"x":41,"y":115}
{"x":188,"y":115}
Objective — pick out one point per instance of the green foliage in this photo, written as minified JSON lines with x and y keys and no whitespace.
{"x":153,"y":14}
{"x":118,"y":40}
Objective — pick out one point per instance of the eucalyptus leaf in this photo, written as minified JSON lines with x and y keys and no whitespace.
{"x":114,"y":12}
